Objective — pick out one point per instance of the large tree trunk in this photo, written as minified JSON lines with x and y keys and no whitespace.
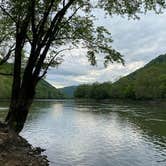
{"x":17,"y":115}
{"x":19,"y":107}
{"x":23,"y":89}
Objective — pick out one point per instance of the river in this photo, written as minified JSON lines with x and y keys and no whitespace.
{"x":97,"y":133}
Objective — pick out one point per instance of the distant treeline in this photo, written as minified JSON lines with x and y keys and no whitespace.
{"x":146,"y":83}
{"x":95,"y":91}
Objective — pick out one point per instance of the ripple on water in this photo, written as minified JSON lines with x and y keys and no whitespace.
{"x":97,"y":133}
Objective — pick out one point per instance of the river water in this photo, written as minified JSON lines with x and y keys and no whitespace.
{"x":97,"y":133}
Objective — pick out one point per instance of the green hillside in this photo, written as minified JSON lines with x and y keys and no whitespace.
{"x":68,"y":91}
{"x":148,"y":82}
{"x":47,"y":91}
{"x":44,"y":89}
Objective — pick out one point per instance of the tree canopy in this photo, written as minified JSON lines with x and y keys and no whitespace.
{"x":49,"y":27}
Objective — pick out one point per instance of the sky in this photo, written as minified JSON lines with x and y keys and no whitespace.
{"x":138,"y":40}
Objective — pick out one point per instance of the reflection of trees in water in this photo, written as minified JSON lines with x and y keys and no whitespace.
{"x":149,"y":116}
{"x":151,"y":119}
{"x":145,"y":117}
{"x":43,"y":107}
{"x":153,"y":130}
{"x":40,"y":107}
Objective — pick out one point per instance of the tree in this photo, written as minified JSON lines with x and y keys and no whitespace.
{"x":94,"y":91}
{"x":36,"y":34}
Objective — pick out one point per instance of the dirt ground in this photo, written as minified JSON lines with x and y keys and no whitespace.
{"x":16,"y":151}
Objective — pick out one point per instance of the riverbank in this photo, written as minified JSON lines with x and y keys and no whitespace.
{"x":16,"y":151}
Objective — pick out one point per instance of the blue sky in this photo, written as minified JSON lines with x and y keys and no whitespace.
{"x":138,"y":40}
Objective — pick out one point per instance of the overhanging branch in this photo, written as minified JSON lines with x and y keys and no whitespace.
{"x":4,"y":60}
{"x":51,"y":61}
{"x":8,"y":14}
{"x":49,"y":37}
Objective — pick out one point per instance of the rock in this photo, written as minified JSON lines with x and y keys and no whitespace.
{"x":38,"y":150}
{"x":16,"y":151}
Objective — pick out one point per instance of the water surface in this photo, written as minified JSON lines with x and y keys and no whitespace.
{"x":98,"y":133}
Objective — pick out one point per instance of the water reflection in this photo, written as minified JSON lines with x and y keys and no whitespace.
{"x":98,"y":133}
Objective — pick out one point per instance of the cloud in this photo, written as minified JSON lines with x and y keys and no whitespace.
{"x":138,"y":40}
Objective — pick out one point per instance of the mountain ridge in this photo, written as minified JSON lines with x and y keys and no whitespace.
{"x":68,"y":91}
{"x":44,"y":89}
{"x":148,"y":82}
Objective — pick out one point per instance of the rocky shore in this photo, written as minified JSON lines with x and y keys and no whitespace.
{"x":16,"y":151}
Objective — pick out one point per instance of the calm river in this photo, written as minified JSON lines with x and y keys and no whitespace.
{"x":93,"y":133}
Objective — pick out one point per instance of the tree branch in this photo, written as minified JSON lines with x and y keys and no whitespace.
{"x":51,"y":61}
{"x":36,"y":42}
{"x":34,"y":30}
{"x":55,"y":22}
{"x":28,"y":39}
{"x":41,"y":24}
{"x":3,"y":38}
{"x":64,"y":3}
{"x":69,"y":18}
{"x":4,"y":60}
{"x":73,"y":14}
{"x":8,"y":14}
{"x":49,"y":36}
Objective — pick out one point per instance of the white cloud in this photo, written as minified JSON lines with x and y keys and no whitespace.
{"x":138,"y":40}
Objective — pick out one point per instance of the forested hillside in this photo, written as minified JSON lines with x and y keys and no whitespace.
{"x":68,"y":91}
{"x":148,"y":82}
{"x":44,"y":89}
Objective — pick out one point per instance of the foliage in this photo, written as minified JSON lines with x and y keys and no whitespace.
{"x":48,"y":25}
{"x":148,"y":82}
{"x":43,"y":91}
{"x":95,"y":91}
{"x":37,"y":34}
{"x":68,"y":92}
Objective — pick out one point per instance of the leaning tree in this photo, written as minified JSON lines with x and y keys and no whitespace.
{"x":36,"y":34}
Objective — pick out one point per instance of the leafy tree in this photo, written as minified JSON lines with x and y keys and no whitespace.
{"x":44,"y":29}
{"x":162,"y":87}
{"x":150,"y":83}
{"x":145,"y":83}
{"x":94,"y":91}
